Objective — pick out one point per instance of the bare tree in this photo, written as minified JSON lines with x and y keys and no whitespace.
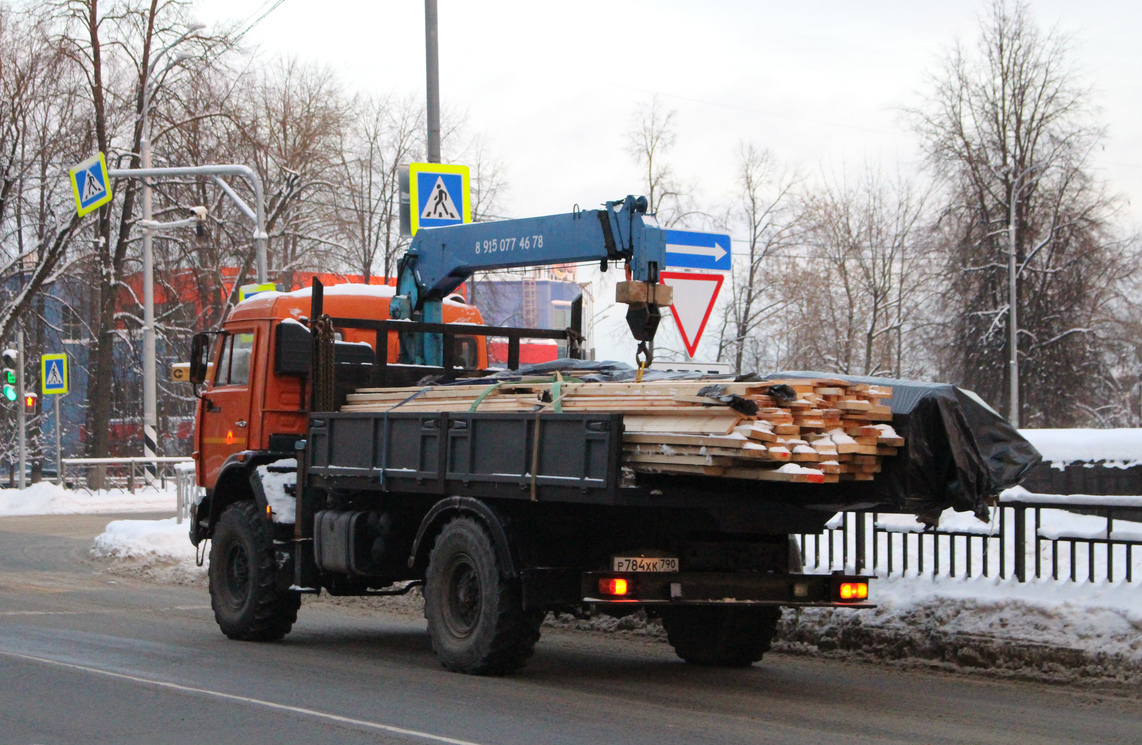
{"x":865,"y":255}
{"x":1009,"y":127}
{"x":39,"y":103}
{"x":291,"y":118}
{"x":649,"y":141}
{"x":764,"y":212}
{"x":386,"y":133}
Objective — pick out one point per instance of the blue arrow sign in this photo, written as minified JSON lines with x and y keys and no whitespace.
{"x":690,"y":250}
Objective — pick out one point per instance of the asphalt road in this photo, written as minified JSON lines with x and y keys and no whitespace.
{"x":89,"y":658}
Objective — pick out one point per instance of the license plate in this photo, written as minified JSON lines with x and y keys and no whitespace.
{"x":644,"y":564}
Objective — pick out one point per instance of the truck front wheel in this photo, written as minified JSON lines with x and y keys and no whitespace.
{"x":243,"y":578}
{"x":475,"y":615}
{"x":720,"y":636}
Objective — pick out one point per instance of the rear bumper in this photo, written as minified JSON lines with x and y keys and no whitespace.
{"x":713,"y":588}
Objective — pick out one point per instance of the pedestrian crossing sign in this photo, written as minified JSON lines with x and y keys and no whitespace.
{"x":53,"y":374}
{"x":439,"y":195}
{"x":90,"y":184}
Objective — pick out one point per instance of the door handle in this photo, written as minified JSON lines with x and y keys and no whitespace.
{"x":240,"y":423}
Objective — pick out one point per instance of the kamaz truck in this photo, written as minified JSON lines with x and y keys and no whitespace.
{"x":498,"y":517}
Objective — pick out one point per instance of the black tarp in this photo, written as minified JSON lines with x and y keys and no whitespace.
{"x":958,"y":451}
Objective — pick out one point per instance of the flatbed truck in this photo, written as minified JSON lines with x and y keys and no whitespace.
{"x":499,"y":518}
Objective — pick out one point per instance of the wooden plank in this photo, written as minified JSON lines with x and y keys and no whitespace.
{"x":668,"y":438}
{"x":676,"y":460}
{"x":761,"y":474}
{"x":709,"y":424}
{"x":679,"y":469}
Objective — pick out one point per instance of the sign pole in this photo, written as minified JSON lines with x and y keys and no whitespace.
{"x":59,"y":453}
{"x":432,"y":70}
{"x":54,"y":382}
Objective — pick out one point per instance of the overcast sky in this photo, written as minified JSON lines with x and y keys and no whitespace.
{"x":553,"y":87}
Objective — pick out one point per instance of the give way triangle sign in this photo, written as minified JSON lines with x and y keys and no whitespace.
{"x":694,"y":298}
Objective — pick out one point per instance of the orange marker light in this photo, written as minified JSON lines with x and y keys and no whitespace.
{"x":230,"y":437}
{"x":853,"y":590}
{"x":613,"y":586}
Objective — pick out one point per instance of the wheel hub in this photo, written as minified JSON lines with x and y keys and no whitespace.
{"x":462,"y":597}
{"x":237,"y":575}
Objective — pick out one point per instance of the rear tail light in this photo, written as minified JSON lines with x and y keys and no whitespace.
{"x":614,"y":586}
{"x":849,"y":591}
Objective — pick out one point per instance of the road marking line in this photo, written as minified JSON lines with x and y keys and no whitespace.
{"x":246,"y":700}
{"x":90,"y":612}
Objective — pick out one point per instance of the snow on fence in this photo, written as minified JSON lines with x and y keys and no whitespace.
{"x":186,"y":489}
{"x":91,"y":474}
{"x":1073,"y":537}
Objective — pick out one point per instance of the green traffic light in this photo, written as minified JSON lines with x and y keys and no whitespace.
{"x":10,"y":392}
{"x":9,"y":377}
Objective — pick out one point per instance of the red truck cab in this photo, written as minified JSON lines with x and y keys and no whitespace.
{"x":248,"y":406}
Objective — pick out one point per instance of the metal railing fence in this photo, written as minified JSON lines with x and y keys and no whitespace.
{"x":187,"y":489}
{"x":91,"y":474}
{"x":1069,"y":537}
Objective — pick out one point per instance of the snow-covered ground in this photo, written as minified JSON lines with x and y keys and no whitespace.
{"x":48,"y":499}
{"x":1043,"y":629}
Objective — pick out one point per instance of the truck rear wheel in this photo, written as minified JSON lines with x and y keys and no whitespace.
{"x":475,"y":615}
{"x":243,"y":578}
{"x":719,"y":636}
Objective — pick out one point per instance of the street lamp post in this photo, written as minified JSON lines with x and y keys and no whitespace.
{"x":1020,"y":182}
{"x":150,"y":388}
{"x":1012,"y":319}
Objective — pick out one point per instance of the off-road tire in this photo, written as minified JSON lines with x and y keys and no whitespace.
{"x":243,"y":578}
{"x":719,"y":636}
{"x":476,"y":619}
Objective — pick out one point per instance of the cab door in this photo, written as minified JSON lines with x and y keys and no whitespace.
{"x":226,"y":405}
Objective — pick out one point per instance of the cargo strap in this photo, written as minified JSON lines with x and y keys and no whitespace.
{"x":419,"y":393}
{"x":556,"y":393}
{"x":535,"y":459}
{"x":480,"y":399}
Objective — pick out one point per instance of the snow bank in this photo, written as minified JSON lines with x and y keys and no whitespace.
{"x":50,"y":499}
{"x":1116,"y":447}
{"x":156,"y":550}
{"x":1041,"y":629}
{"x":129,"y":538}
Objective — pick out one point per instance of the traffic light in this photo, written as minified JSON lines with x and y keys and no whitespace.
{"x":30,"y":403}
{"x":9,"y":374}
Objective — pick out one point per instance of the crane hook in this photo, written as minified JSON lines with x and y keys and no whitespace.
{"x":643,"y":356}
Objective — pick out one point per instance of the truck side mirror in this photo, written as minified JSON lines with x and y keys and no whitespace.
{"x":199,"y":349}
{"x":293,"y":350}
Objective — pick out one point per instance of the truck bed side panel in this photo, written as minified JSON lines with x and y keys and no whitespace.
{"x":541,"y":457}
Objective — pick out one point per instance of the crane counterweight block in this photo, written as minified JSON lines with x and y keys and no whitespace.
{"x":643,"y":293}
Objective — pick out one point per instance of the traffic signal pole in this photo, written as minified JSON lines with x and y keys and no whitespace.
{"x":21,"y":420}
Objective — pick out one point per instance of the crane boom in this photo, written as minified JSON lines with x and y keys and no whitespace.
{"x":441,"y":259}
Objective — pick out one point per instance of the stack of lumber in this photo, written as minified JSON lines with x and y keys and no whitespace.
{"x":813,"y":430}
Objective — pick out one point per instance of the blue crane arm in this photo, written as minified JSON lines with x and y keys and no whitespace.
{"x":441,"y":259}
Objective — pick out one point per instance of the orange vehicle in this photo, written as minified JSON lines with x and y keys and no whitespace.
{"x":251,"y":407}
{"x":501,"y":516}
